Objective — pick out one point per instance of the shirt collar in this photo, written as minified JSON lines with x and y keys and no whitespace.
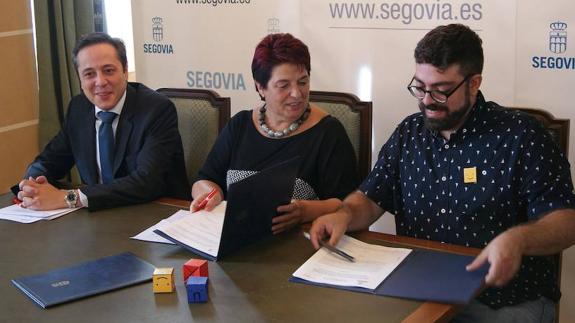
{"x":117,"y":108}
{"x":469,"y":122}
{"x":472,"y":118}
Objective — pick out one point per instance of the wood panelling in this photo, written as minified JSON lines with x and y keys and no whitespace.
{"x":15,"y":15}
{"x":18,"y":90}
{"x":18,"y":149}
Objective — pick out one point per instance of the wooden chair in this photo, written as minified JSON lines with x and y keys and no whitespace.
{"x":355,"y":116}
{"x":559,"y":130}
{"x":202,"y":114}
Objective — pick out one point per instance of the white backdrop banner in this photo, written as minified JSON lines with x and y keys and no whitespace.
{"x":361,"y":47}
{"x":206,"y":44}
{"x":364,"y":48}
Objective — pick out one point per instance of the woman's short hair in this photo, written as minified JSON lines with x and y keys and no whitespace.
{"x":276,"y":49}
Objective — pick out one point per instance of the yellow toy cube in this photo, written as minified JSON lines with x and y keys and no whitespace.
{"x":163,"y":280}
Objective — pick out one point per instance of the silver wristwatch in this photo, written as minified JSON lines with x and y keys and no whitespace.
{"x":71,"y":198}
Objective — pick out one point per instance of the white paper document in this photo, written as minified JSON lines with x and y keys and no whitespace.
{"x":200,"y":230}
{"x":17,"y":213}
{"x":149,"y":234}
{"x":373,"y":263}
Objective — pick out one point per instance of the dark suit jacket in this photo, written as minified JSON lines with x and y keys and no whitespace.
{"x":149,"y":158}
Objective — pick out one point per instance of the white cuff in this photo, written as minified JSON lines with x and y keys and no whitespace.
{"x":83,"y":198}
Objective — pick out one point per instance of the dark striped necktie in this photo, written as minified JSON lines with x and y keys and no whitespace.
{"x":106,"y":144}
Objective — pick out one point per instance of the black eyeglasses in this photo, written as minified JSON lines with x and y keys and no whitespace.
{"x":438,"y":96}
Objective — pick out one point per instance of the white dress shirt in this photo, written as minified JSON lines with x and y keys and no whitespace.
{"x":117,"y":110}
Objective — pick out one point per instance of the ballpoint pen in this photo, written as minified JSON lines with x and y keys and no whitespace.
{"x":205,"y":201}
{"x":333,"y":249}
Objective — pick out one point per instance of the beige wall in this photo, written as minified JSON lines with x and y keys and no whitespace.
{"x":18,"y":92}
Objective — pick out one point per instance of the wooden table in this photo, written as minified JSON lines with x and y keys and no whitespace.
{"x":248,"y":286}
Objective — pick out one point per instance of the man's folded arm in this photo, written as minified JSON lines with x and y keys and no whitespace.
{"x":54,"y":162}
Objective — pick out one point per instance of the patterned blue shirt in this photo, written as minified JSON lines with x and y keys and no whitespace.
{"x":514,"y":171}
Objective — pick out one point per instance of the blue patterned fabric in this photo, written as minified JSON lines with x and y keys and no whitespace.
{"x":520,"y":175}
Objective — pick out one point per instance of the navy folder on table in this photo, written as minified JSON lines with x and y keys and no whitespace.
{"x":426,"y":275}
{"x":85,"y":279}
{"x":251,"y":205}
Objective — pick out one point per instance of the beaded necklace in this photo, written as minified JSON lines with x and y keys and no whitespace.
{"x":283,"y":133}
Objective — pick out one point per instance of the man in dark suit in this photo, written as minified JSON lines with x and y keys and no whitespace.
{"x":123,"y":137}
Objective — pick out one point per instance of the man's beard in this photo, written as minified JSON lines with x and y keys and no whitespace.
{"x":451,"y":119}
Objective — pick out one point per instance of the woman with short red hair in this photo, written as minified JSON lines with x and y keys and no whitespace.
{"x":284,"y":126}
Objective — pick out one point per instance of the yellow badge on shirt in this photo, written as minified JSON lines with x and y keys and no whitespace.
{"x":470,"y":175}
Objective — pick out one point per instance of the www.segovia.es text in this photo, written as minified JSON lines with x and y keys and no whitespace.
{"x":408,"y":11}
{"x":213,"y":3}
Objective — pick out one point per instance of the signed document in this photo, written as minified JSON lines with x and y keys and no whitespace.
{"x":149,"y":234}
{"x":19,"y":214}
{"x":425,"y":275}
{"x":201,"y":230}
{"x":373,"y":263}
{"x":245,"y":218}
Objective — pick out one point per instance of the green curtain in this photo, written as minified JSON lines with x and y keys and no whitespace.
{"x":59,"y":24}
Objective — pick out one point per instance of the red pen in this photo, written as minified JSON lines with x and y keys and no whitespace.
{"x":205,"y":201}
{"x":16,"y":200}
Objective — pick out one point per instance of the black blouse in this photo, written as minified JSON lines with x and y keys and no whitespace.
{"x":328,"y":167}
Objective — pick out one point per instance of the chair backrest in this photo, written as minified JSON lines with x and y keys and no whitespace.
{"x":355,"y":116}
{"x":559,"y":130}
{"x":202,"y":114}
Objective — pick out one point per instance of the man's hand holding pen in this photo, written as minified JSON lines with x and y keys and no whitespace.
{"x":333,"y":249}
{"x":332,"y":226}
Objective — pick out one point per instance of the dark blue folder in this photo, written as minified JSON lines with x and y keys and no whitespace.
{"x":251,"y":205}
{"x":85,"y":279}
{"x":426,"y":275}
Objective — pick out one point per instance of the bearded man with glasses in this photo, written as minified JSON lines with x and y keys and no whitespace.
{"x":470,"y":172}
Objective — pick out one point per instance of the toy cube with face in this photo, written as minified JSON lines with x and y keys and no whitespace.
{"x":163,"y":280}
